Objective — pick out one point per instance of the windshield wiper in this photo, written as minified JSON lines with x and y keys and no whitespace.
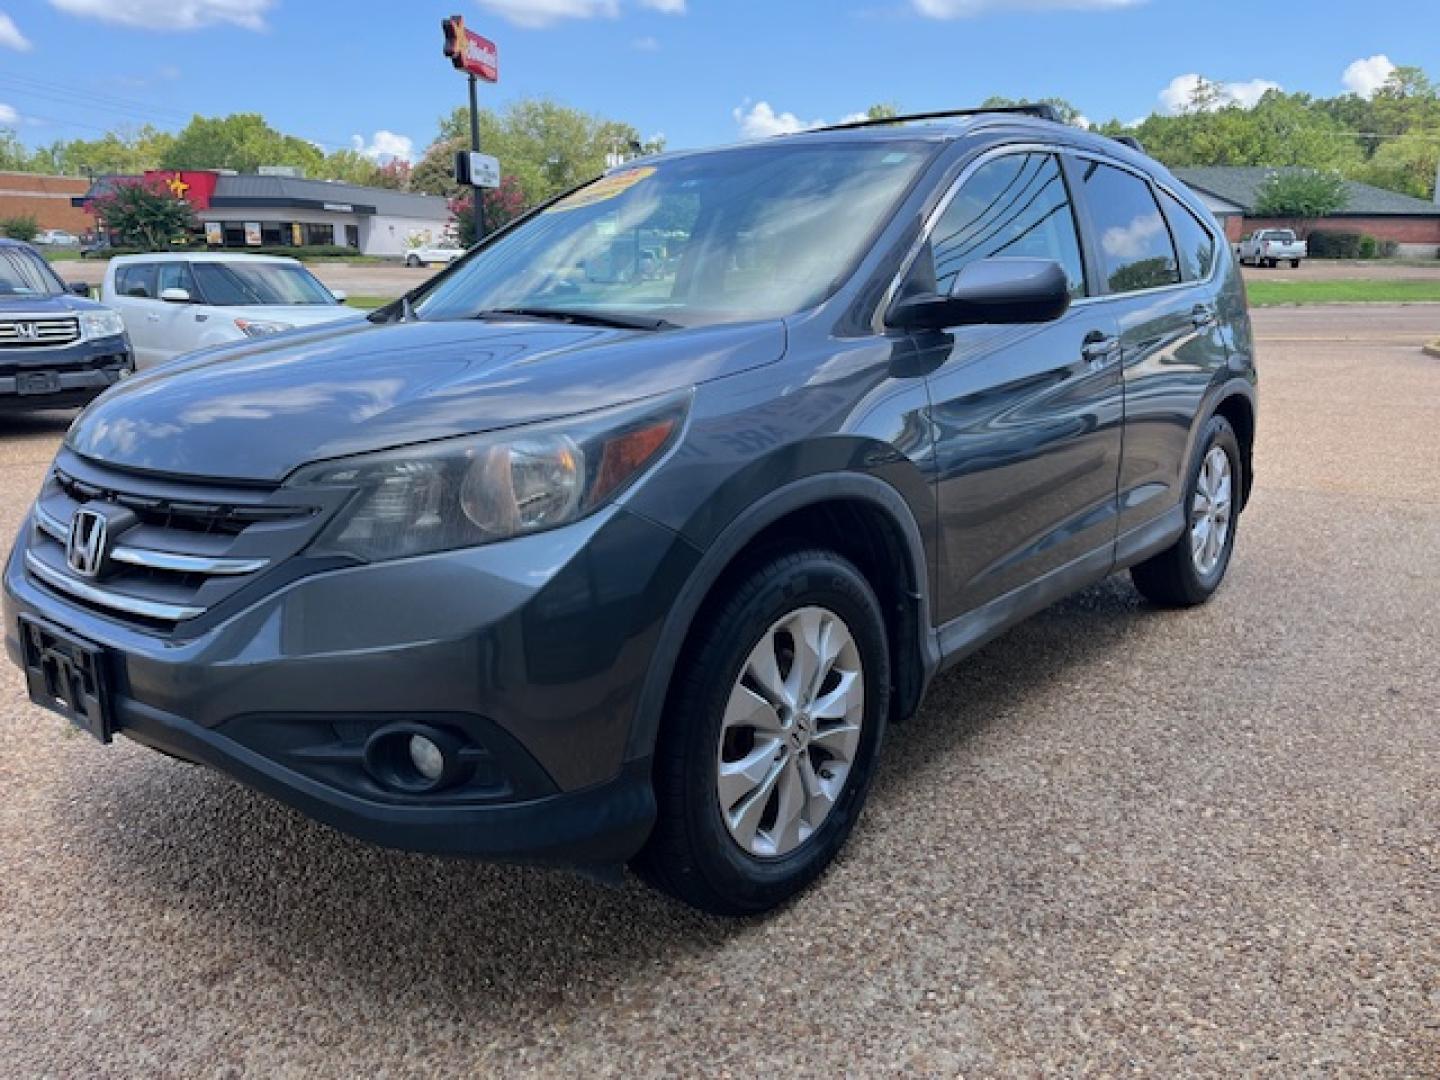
{"x":581,"y":318}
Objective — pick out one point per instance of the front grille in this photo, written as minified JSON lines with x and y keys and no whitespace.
{"x":40,"y":332}
{"x":173,"y":550}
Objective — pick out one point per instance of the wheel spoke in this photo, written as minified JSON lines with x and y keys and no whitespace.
{"x":764,"y":670}
{"x":806,"y":632}
{"x":1199,"y":537}
{"x":839,"y":741}
{"x":786,"y":833}
{"x":848,"y":695}
{"x":739,"y":778}
{"x":748,"y":710}
{"x":744,"y":818}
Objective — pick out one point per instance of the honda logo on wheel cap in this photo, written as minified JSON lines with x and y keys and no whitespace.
{"x":85,"y":546}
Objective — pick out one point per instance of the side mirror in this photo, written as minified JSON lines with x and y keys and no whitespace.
{"x":80,"y":288}
{"x":991,"y":292}
{"x":340,"y":295}
{"x":175,"y":296}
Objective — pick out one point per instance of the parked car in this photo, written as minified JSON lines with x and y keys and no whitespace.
{"x":58,"y":348}
{"x":57,"y":238}
{"x":444,"y":252}
{"x":1271,"y":247}
{"x":533,"y":566}
{"x":177,"y":303}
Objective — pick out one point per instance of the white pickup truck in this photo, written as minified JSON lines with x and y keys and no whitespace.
{"x":1271,"y":247}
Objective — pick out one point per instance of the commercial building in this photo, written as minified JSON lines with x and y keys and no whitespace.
{"x":1233,"y":192}
{"x":48,"y":199}
{"x":240,"y":211}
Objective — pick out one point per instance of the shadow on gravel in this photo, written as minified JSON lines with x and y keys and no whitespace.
{"x":42,"y":422}
{"x":265,"y":891}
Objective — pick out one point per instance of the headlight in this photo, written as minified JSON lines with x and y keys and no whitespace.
{"x":101,"y":324}
{"x":477,"y":490}
{"x":261,"y":327}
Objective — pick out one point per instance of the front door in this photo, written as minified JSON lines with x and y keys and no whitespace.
{"x":1027,"y":419}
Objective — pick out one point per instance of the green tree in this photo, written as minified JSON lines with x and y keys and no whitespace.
{"x":1406,"y":163}
{"x":13,"y":155}
{"x":1301,"y":195}
{"x":241,"y":141}
{"x":883,"y":110}
{"x":349,"y":166}
{"x":20,"y":227}
{"x":145,"y":215}
{"x":1069,"y":114}
{"x":123,"y":152}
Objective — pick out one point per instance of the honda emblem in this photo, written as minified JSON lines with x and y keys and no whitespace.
{"x":85,"y":546}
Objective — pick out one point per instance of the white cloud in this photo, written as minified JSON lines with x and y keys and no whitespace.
{"x":1135,"y":240}
{"x":966,"y":9}
{"x":10,"y":35}
{"x":385,"y":146}
{"x":8,"y":115}
{"x":534,"y":14}
{"x":665,"y":7}
{"x":646,"y":44}
{"x":760,"y":121}
{"x":171,"y":14}
{"x":1179,"y":96}
{"x":1366,"y":76}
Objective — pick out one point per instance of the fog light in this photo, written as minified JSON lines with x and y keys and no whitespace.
{"x":428,"y":759}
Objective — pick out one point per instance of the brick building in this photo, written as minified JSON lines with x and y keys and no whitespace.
{"x":1232,"y":192}
{"x":46,"y":198}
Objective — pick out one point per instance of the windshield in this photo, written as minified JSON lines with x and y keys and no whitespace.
{"x":252,"y":284}
{"x":1281,"y":236}
{"x":747,"y":233}
{"x":23,"y":274}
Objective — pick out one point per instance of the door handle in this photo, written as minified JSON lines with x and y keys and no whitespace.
{"x":1099,"y":348}
{"x":1203,"y":316}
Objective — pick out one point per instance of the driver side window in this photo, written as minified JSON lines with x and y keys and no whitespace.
{"x":1016,"y":206}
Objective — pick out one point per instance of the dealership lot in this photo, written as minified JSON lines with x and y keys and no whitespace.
{"x":1117,"y":839}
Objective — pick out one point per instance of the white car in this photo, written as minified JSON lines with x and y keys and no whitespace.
{"x":176,"y":303}
{"x":57,"y":238}
{"x":445,"y":252}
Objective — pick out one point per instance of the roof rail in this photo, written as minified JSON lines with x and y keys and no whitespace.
{"x":1131,"y":141}
{"x":1039,"y":111}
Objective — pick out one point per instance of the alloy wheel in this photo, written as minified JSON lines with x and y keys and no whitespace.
{"x":1210,"y":511}
{"x":790,"y":732}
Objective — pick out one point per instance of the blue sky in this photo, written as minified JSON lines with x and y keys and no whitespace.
{"x":369,"y":72}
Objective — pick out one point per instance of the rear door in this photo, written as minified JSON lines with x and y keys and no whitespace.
{"x":134,"y":295}
{"x":1158,"y":270}
{"x":1027,"y":419}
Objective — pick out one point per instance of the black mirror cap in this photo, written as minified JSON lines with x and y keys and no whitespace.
{"x":991,"y":292}
{"x":80,"y":288}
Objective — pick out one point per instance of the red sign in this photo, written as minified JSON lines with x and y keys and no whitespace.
{"x":196,"y":188}
{"x":468,"y":51}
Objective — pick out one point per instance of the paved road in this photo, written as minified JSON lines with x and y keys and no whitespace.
{"x":1116,"y":841}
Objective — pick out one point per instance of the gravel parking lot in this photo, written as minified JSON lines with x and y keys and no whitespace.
{"x":1116,"y":841}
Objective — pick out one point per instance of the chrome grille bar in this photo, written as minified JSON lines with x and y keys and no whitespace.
{"x":131,"y":605}
{"x":151,"y":559}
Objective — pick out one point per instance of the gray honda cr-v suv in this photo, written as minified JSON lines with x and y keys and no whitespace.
{"x":625,"y":537}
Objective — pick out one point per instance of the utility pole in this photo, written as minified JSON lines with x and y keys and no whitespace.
{"x":476,"y":191}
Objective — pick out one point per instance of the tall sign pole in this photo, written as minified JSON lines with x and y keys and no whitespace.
{"x":479,"y":58}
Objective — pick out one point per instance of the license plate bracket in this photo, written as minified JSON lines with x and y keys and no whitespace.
{"x":28,"y":383}
{"x":67,"y":676}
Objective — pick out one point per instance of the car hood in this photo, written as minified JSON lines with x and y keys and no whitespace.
{"x":258,"y":410}
{"x":61,"y":304}
{"x":297,"y":314}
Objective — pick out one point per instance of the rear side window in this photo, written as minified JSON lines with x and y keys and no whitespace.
{"x":1193,"y":240}
{"x":1013,"y":207}
{"x":1135,"y":247}
{"x":136,"y":279}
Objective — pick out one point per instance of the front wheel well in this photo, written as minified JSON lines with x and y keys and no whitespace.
{"x":866,"y":536}
{"x":1240,"y":414}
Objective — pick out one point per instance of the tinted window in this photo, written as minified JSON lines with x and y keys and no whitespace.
{"x":136,"y":279}
{"x":1135,"y":248}
{"x":23,"y":274}
{"x":1192,"y":239}
{"x":1015,"y":206}
{"x":240,"y":284}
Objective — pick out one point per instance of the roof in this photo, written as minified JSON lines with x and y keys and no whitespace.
{"x":252,"y":190}
{"x":202,"y":256}
{"x":280,"y":191}
{"x":1240,"y":184}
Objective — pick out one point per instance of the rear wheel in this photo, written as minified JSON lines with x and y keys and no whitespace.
{"x":1189,"y":572}
{"x":771,"y":737}
{"x":413,"y":260}
{"x":1294,"y":264}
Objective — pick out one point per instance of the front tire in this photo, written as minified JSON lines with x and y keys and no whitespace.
{"x":413,"y":261}
{"x":771,"y":736}
{"x":1188,"y":572}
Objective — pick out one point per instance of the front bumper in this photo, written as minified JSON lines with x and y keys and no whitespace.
{"x":81,"y":372}
{"x":533,"y":651}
